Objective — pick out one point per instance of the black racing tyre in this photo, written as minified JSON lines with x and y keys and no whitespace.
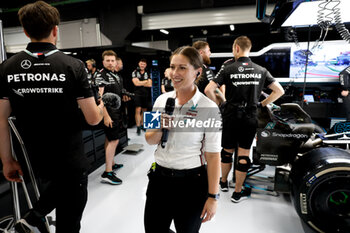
{"x":7,"y":224}
{"x":321,"y":189}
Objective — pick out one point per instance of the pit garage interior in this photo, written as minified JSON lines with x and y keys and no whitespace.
{"x":304,"y":44}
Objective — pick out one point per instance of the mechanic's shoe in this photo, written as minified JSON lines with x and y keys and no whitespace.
{"x":110,"y":178}
{"x":223,"y":186}
{"x":30,"y":220}
{"x":117,"y":166}
{"x":138,"y":131}
{"x":142,"y":128}
{"x":243,"y":195}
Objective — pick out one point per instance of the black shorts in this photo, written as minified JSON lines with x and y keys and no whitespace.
{"x":113,"y":133}
{"x":238,"y":131}
{"x":143,"y":101}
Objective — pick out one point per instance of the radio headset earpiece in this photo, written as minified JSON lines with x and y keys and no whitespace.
{"x":93,"y":63}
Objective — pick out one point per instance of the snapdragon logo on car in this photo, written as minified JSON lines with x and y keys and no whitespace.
{"x":190,"y":119}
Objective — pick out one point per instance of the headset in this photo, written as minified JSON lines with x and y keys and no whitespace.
{"x":93,"y":62}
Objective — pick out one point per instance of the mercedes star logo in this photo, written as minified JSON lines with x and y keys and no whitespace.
{"x":240,"y":69}
{"x":26,"y":64}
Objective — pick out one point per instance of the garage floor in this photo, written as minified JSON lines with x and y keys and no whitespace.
{"x":120,"y":208}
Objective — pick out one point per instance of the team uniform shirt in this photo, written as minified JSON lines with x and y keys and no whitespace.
{"x":204,"y":79}
{"x":244,"y":81}
{"x":43,"y":86}
{"x":92,"y":77}
{"x":168,"y":84}
{"x":185,"y":147}
{"x":141,"y":90}
{"x":344,"y":79}
{"x":112,"y":83}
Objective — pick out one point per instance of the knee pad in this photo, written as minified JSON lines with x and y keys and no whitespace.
{"x":226,"y":157}
{"x":243,"y":167}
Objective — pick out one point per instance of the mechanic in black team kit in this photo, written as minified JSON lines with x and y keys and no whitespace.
{"x":143,"y":83}
{"x":344,"y":79}
{"x":207,"y":74}
{"x":92,"y":71}
{"x":244,"y":81}
{"x":44,"y":88}
{"x":110,"y":82}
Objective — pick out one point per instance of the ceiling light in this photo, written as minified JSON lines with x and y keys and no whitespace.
{"x":164,"y":31}
{"x":232,"y":27}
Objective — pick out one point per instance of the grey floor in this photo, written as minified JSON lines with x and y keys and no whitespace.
{"x":119,"y":209}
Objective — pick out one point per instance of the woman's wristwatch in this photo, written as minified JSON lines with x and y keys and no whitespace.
{"x":215,"y":196}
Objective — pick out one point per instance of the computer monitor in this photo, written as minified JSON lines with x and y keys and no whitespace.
{"x":309,"y":98}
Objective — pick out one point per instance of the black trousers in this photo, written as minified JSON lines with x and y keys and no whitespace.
{"x":175,"y":198}
{"x":66,"y":194}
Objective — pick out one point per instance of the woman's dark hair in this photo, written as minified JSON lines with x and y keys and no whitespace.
{"x":192,"y":55}
{"x":38,"y":19}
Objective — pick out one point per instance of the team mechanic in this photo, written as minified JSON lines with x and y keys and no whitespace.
{"x":92,"y":71}
{"x":42,"y":87}
{"x":244,"y":81}
{"x":110,"y":82}
{"x":344,"y":79}
{"x":207,"y":74}
{"x":143,"y":83}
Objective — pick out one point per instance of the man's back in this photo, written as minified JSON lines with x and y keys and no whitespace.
{"x":43,"y":85}
{"x":244,"y":81}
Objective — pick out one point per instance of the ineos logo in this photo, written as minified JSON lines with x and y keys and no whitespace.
{"x":265,"y":134}
{"x":26,"y":64}
{"x":241,"y":69}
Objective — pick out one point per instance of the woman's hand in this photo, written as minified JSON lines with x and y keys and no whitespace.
{"x":209,"y":209}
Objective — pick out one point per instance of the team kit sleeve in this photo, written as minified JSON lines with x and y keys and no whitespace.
{"x":83,"y":87}
{"x":269,"y":79}
{"x":219,"y":78}
{"x":133,"y":74}
{"x":4,"y":91}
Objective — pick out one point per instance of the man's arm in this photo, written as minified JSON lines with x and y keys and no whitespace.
{"x":11,"y":168}
{"x":139,"y":83}
{"x":92,"y":113}
{"x":210,"y":92}
{"x":277,"y":92}
{"x":223,"y":89}
{"x":148,"y":83}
